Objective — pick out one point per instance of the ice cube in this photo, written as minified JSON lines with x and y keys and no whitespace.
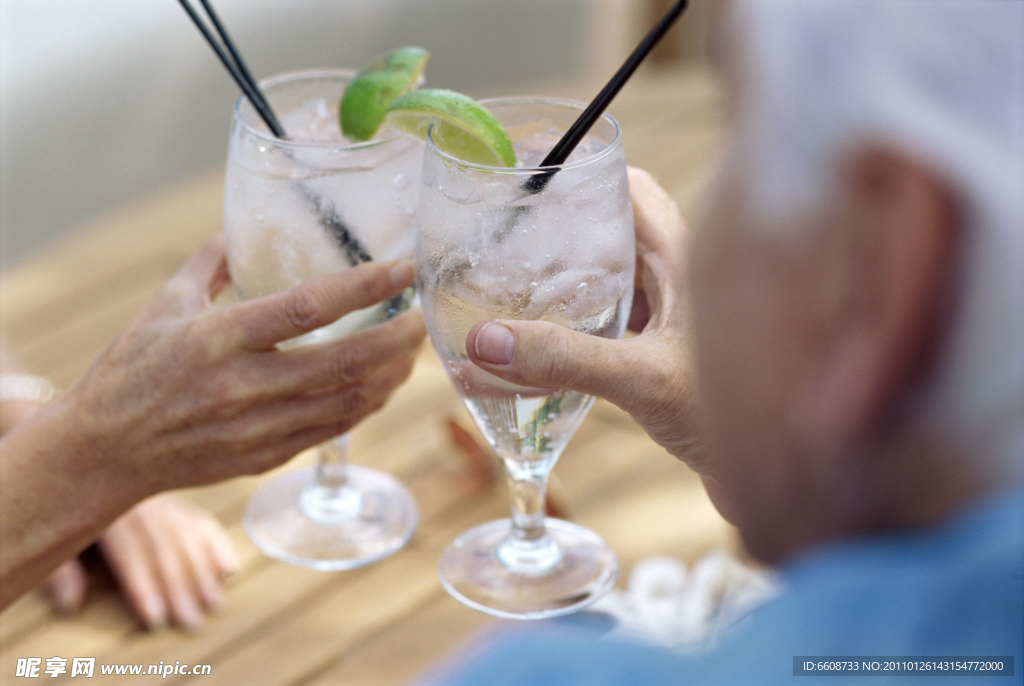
{"x":313,"y":121}
{"x":531,"y":151}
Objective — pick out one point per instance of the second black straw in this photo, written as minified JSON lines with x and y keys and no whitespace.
{"x":574,"y":135}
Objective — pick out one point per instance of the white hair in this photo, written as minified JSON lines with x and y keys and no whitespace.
{"x":944,"y":81}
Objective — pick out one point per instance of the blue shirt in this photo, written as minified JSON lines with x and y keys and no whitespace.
{"x":955,"y":590}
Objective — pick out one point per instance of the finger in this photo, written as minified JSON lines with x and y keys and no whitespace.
{"x":207,"y":267}
{"x":216,"y":547}
{"x":545,"y":355}
{"x":194,"y":285}
{"x":352,"y":358}
{"x":303,"y":423}
{"x":67,"y":586}
{"x":661,"y":237}
{"x":128,"y":552}
{"x":172,"y":563}
{"x":218,"y":278}
{"x":264,"y":322}
{"x":656,"y":217}
{"x":370,"y":395}
{"x":219,"y":548}
{"x":640,"y":312}
{"x":188,"y":528}
{"x":649,"y":376}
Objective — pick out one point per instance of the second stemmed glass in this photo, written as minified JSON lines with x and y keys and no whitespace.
{"x":299,"y":208}
{"x":489,"y":247}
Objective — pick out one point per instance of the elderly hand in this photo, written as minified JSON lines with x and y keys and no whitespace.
{"x":190,"y":394}
{"x":648,"y":375}
{"x":168,"y":557}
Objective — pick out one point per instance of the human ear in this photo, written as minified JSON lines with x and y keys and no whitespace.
{"x":899,"y":227}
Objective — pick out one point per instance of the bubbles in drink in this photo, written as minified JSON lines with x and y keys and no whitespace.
{"x":529,"y":429}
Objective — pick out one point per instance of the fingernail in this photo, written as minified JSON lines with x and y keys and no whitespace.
{"x":154,"y":613}
{"x":213,"y":596}
{"x":188,"y":615}
{"x":495,"y":343}
{"x":402,"y":274}
{"x":66,"y":601}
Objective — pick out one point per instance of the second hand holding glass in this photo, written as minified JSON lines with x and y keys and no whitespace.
{"x":551,"y":240}
{"x":487,"y":249}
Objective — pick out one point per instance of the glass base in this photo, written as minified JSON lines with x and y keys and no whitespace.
{"x":295,"y":520}
{"x":581,"y":571}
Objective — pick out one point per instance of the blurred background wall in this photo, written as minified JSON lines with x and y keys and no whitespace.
{"x":103,"y":101}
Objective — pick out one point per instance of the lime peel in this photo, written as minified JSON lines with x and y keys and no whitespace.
{"x":463,"y":128}
{"x":368,"y":95}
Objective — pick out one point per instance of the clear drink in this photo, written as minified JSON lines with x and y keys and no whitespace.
{"x":525,"y":424}
{"x":295,"y":209}
{"x":315,"y":204}
{"x":487,"y":248}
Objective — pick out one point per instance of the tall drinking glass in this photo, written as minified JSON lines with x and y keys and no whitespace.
{"x":488,"y":248}
{"x":299,"y":208}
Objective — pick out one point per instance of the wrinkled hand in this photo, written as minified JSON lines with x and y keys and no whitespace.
{"x":168,"y":557}
{"x":190,"y":393}
{"x":649,"y":375}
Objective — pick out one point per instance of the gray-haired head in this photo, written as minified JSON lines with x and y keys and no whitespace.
{"x":942,"y":80}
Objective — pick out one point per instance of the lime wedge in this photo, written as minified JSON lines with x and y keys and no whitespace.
{"x":463,"y":128}
{"x":368,"y":95}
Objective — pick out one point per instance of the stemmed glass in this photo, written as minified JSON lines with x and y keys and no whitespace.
{"x":294,"y":209}
{"x":491,"y":244}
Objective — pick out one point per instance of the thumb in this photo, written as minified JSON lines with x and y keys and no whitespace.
{"x":648,"y":376}
{"x":192,"y":288}
{"x":546,"y":355}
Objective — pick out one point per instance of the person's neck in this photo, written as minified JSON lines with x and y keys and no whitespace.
{"x":912,"y":484}
{"x":908,"y":485}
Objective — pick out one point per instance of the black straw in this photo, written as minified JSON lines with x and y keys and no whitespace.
{"x":560,"y":153}
{"x":235,"y":65}
{"x":327,"y":216}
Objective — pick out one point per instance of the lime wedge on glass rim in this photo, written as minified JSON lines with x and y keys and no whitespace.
{"x":463,"y":128}
{"x":368,"y":95}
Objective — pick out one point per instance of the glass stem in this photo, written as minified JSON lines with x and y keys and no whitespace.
{"x":528,"y":548}
{"x":528,"y":497}
{"x":331,"y":500}
{"x":332,"y":463}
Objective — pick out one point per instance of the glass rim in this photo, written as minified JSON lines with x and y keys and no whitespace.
{"x":296,"y":75}
{"x":529,"y":171}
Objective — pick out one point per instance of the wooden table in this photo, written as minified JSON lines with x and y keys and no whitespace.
{"x":386,"y":623}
